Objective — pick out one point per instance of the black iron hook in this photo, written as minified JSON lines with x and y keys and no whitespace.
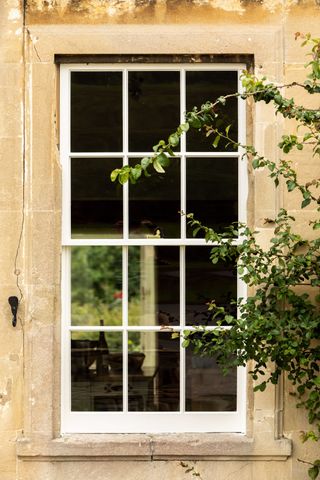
{"x":14,"y":302}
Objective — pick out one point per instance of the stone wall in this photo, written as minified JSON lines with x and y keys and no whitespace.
{"x":11,"y":218}
{"x":30,"y":218}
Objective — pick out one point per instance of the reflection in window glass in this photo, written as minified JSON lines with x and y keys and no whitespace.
{"x":135,"y":275}
{"x":208,"y":86}
{"x":205,"y":283}
{"x":96,"y":285}
{"x":154,"y":204}
{"x":153,"y":382}
{"x":96,"y":371}
{"x":154,"y":108}
{"x":153,"y":285}
{"x":212,"y":191}
{"x":96,"y":111}
{"x":96,"y":202}
{"x":207,"y":388}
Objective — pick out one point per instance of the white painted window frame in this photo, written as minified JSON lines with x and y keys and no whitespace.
{"x":140,"y":422}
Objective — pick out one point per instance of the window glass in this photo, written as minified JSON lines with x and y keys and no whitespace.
{"x":96,"y":111}
{"x":206,"y":283}
{"x":203,"y":86}
{"x":207,"y":388}
{"x":154,"y":107}
{"x":154,"y":286}
{"x":96,"y":285}
{"x":154,"y":204}
{"x":212,"y":191}
{"x":96,"y":203}
{"x":154,"y":385}
{"x":96,"y":371}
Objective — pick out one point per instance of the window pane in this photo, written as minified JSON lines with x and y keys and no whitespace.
{"x":96,"y":202}
{"x":154,"y":108}
{"x":153,"y":372}
{"x":96,"y":371}
{"x":212,"y":191}
{"x":207,"y":389}
{"x":154,"y":204}
{"x":96,"y":286}
{"x":96,"y":111}
{"x":208,"y":86}
{"x":206,"y":282}
{"x":153,"y":285}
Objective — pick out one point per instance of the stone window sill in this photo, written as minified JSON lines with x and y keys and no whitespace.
{"x":153,"y":447}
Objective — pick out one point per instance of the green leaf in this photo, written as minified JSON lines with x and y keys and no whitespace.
{"x":307,"y":136}
{"x":195,"y":231}
{"x":158,"y":168}
{"x":229,"y":319}
{"x":291,"y":185}
{"x":216,"y":141}
{"x":194,"y":121}
{"x":145,"y":162}
{"x":163,"y":160}
{"x":184,"y":127}
{"x":313,"y":472}
{"x":173,"y":139}
{"x":114,"y":174}
{"x":162,"y":143}
{"x":136,"y":173}
{"x":256,"y":163}
{"x":227,"y":129}
{"x":305,"y":202}
{"x":261,"y":387}
{"x":123,"y":177}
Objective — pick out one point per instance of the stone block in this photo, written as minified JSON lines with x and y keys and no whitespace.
{"x":11,"y":44}
{"x":265,"y":196}
{"x":40,"y":231}
{"x":35,"y":470}
{"x":11,"y":111}
{"x":39,"y":395}
{"x":43,"y":197}
{"x":11,"y":75}
{"x":11,"y":176}
{"x":10,"y":222}
{"x":7,"y":466}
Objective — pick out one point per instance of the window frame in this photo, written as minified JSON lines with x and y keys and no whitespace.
{"x":94,"y":422}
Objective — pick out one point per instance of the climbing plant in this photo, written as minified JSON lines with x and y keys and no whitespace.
{"x":277,"y":329}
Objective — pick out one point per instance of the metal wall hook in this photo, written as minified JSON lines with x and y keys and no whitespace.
{"x":14,"y":302}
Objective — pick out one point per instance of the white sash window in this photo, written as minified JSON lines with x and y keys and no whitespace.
{"x":132,"y":271}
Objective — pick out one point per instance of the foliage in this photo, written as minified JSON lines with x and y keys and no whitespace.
{"x":96,"y":274}
{"x":96,"y":277}
{"x":278,"y":325}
